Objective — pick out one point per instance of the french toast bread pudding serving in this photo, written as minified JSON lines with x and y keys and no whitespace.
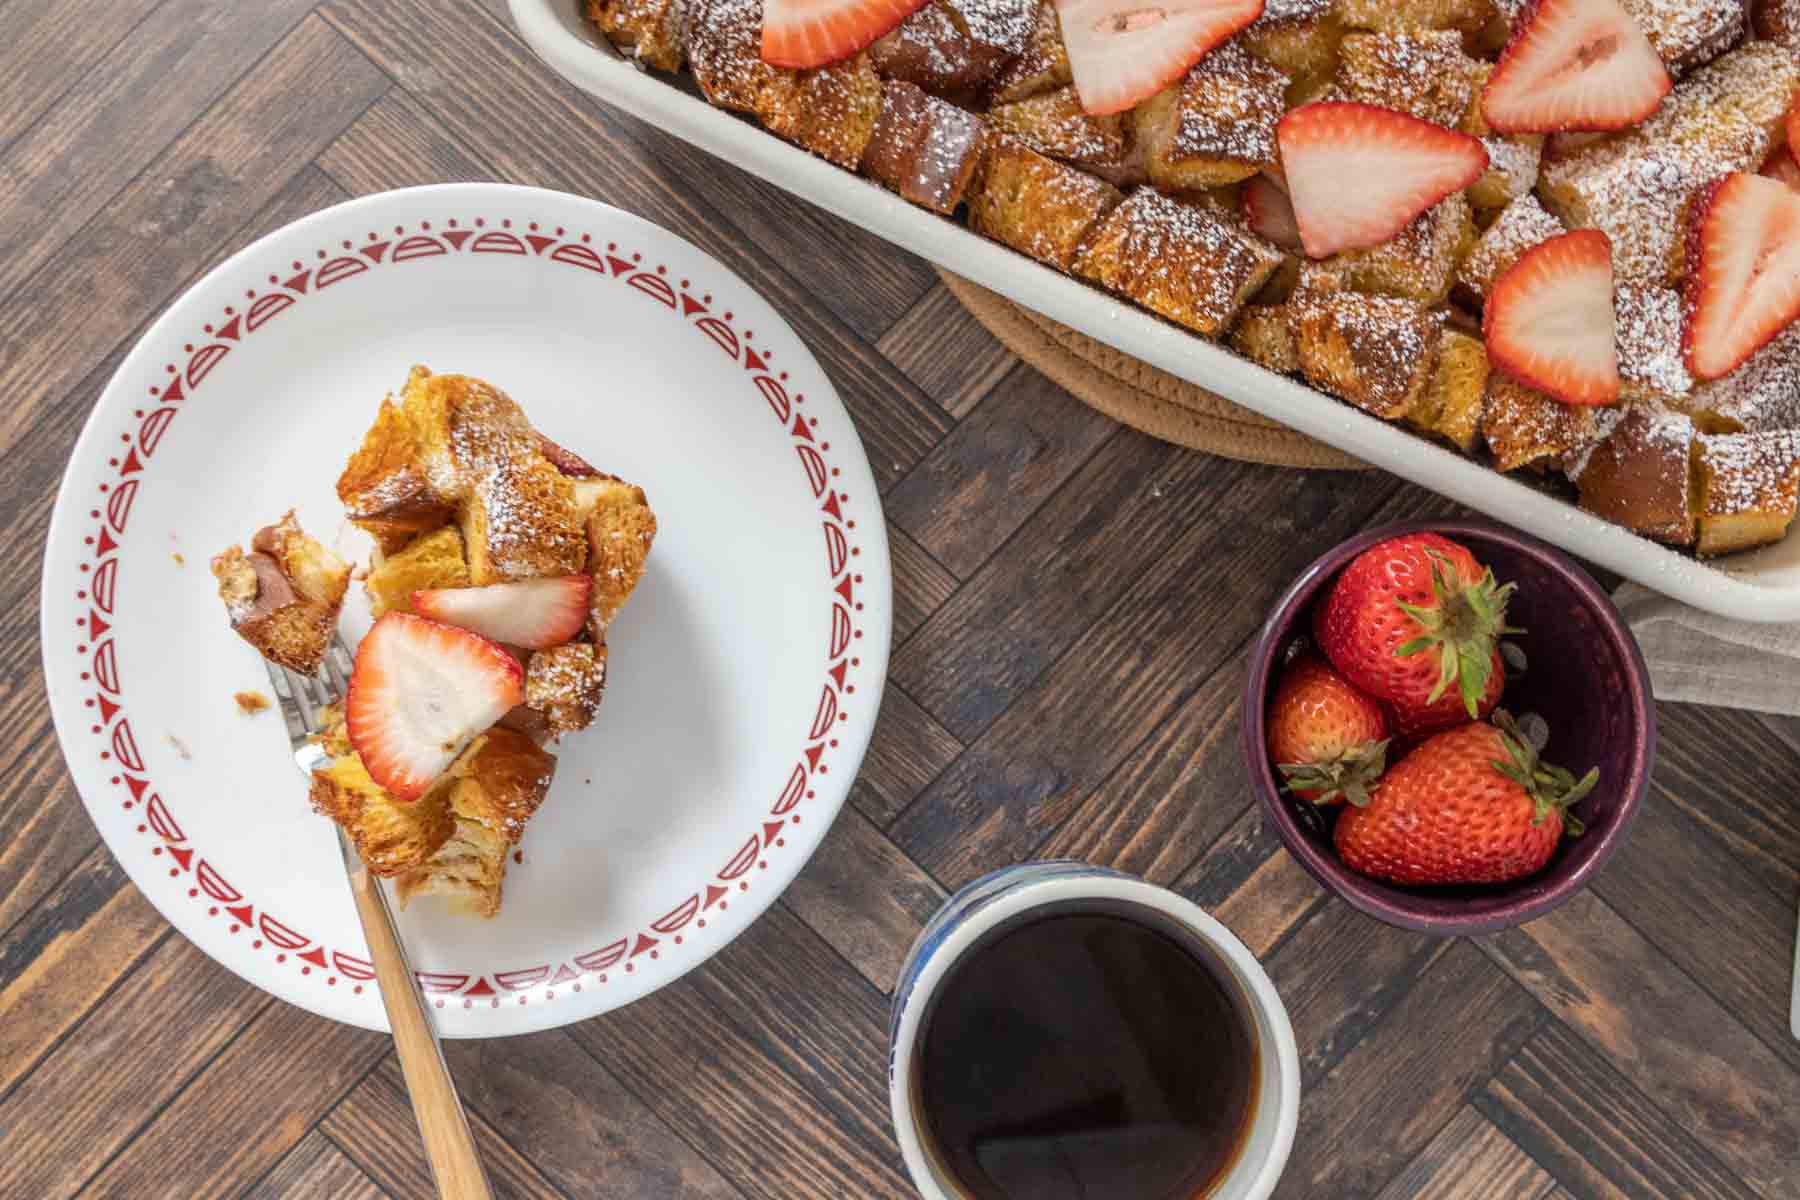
{"x":501,"y":559}
{"x":1558,"y":237}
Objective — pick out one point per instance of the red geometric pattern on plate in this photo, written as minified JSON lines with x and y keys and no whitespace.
{"x":179,"y":382}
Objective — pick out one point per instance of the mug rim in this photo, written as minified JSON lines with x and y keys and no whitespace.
{"x":1019,"y":889}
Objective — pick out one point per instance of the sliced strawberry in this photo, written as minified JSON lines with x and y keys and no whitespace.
{"x":420,"y":692}
{"x":1358,"y":174}
{"x":533,"y":613}
{"x":812,"y":33}
{"x":1549,"y":319}
{"x":1781,"y":165}
{"x":1793,"y":126}
{"x":1124,"y":51}
{"x":1267,"y":211}
{"x":1574,"y":64}
{"x":1743,"y":284}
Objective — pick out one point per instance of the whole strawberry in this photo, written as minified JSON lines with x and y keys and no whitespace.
{"x":1413,"y":619}
{"x":1470,"y":805}
{"x":1328,"y":740}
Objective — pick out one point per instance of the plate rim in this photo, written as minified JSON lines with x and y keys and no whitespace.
{"x":873,"y":621}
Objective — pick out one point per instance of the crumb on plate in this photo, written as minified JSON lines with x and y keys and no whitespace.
{"x":250,"y":703}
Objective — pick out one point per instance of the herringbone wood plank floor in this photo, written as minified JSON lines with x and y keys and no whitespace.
{"x":1072,"y":601}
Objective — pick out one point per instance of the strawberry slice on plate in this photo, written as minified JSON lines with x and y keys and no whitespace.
{"x":1124,"y":51}
{"x":1267,"y":212}
{"x":419,"y":693}
{"x":1743,"y":284}
{"x":533,"y":613}
{"x":1549,"y":319}
{"x":1358,"y":174}
{"x":1574,"y":64}
{"x":812,"y":33}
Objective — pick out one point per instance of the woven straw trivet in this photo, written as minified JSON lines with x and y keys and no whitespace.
{"x":1140,"y":395}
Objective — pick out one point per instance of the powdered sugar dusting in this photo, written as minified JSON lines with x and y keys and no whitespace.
{"x":1520,"y":226}
{"x":1648,"y":334}
{"x":1763,"y":393}
{"x":1750,"y":472}
{"x":1230,"y":104}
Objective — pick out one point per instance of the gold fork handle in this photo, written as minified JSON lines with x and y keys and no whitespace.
{"x":449,"y":1145}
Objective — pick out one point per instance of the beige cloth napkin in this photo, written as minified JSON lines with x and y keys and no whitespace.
{"x":1703,"y":659}
{"x":1698,"y":658}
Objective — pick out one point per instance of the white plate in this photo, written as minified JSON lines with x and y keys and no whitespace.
{"x":745,"y":672}
{"x":1761,"y":586}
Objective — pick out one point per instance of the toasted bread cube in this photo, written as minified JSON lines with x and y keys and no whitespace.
{"x":1748,"y":483}
{"x":430,"y":562}
{"x":924,"y":148}
{"x":723,"y":40}
{"x":518,"y":522}
{"x":931,"y":50}
{"x":385,"y":487}
{"x":1688,"y":33}
{"x":493,"y":790}
{"x":1521,"y":225}
{"x":620,"y":531}
{"x":390,"y":836}
{"x":1037,"y":205}
{"x":284,"y":596}
{"x":1468,"y":17}
{"x":1192,"y":262}
{"x":1054,"y":123}
{"x":1647,"y":332}
{"x":830,"y":111}
{"x":1639,"y":475}
{"x":1777,"y":21}
{"x":650,"y":30}
{"x":1417,"y":263}
{"x":1525,"y":428}
{"x":1377,"y":352}
{"x":565,"y":683}
{"x":1452,"y":404}
{"x":1761,"y":394}
{"x":1299,"y":38}
{"x":1217,"y":125}
{"x":1638,"y":186}
{"x":1264,"y":334}
{"x":1423,"y":73}
{"x":1043,"y":65}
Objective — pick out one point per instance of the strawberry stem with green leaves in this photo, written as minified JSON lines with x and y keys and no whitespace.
{"x":1462,"y":625}
{"x":1549,"y":786}
{"x":1350,"y":773}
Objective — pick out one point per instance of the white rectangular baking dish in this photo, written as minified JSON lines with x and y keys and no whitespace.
{"x":1760,"y":586}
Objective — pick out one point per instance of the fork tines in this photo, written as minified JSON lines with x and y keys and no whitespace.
{"x":303,"y":698}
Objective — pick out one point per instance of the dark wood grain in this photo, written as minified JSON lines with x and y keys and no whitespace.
{"x":1072,"y":603}
{"x":947,"y":352}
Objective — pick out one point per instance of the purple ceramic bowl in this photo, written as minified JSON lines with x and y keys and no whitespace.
{"x":1584,"y":675}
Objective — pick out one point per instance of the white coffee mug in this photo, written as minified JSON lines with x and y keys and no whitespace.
{"x":1015,"y":892}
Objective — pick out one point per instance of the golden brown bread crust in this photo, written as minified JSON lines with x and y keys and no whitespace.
{"x":1301,"y":41}
{"x":434,"y":560}
{"x":620,"y":531}
{"x":384,"y":488}
{"x":649,"y":29}
{"x":565,"y":684}
{"x":283,"y":597}
{"x":1378,"y":352}
{"x":1451,"y":405}
{"x":1640,"y":476}
{"x":390,"y":836}
{"x":1054,"y":123}
{"x":1264,"y":334}
{"x":1419,"y":262}
{"x":1777,"y":21}
{"x":518,"y":522}
{"x":1217,"y":125}
{"x":1042,"y":66}
{"x":495,"y":788}
{"x":1035,"y":204}
{"x":1423,"y":73}
{"x":924,"y":148}
{"x":1748,"y":484}
{"x":1525,"y":428}
{"x":723,"y":40}
{"x":1191,"y":262}
{"x":830,"y":111}
{"x":1468,"y":17}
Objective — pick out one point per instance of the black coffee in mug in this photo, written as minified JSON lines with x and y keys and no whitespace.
{"x":1087,"y":1052}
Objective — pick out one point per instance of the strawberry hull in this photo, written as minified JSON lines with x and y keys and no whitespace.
{"x":1586,"y":678}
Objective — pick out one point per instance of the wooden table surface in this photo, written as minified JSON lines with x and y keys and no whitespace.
{"x":1072,"y":603}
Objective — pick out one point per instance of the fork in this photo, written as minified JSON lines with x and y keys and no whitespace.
{"x":449,"y":1146}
